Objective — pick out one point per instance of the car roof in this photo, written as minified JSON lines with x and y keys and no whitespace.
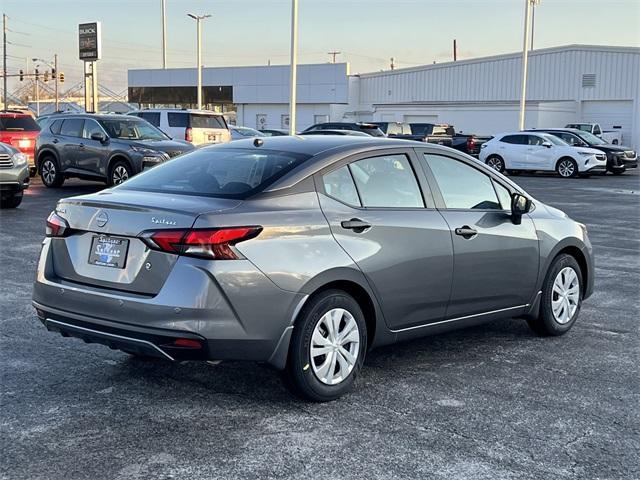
{"x":102,"y":116}
{"x":569,"y":130}
{"x":178,"y":110}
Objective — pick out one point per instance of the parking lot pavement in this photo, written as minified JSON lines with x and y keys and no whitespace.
{"x":490,"y":402}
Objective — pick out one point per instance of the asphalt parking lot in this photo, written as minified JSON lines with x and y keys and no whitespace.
{"x":492,"y":402}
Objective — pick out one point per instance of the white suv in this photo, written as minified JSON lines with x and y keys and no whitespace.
{"x":540,"y":152}
{"x":196,"y":126}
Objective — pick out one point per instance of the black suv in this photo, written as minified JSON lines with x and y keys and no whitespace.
{"x":110,"y":148}
{"x":368,"y":128}
{"x":619,"y":158}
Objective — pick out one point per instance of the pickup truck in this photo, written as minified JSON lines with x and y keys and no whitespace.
{"x":444,"y":134}
{"x":612,"y":136}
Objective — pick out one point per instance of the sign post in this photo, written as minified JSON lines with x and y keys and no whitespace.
{"x":90,"y":51}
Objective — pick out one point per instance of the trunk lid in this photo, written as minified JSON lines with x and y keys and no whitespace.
{"x":118,"y":217}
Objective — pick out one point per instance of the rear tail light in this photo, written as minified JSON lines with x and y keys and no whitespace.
{"x":56,"y":226}
{"x":213,"y":244}
{"x":471,"y":143}
{"x":188,"y":134}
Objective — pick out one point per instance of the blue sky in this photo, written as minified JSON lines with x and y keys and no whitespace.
{"x":248,"y":32}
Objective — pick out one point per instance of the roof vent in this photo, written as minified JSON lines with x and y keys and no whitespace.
{"x":588,"y":80}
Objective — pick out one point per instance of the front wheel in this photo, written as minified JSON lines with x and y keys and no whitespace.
{"x":561,"y":298}
{"x":50,"y":173}
{"x":13,"y":201}
{"x":327,"y":347}
{"x":120,"y":172}
{"x":567,"y":168}
{"x":496,"y":163}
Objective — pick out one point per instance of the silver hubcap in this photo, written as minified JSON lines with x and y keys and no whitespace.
{"x":334,"y":346}
{"x":48,"y":171}
{"x":495,"y":163}
{"x":565,"y":295}
{"x":120,"y":174}
{"x":566,"y":168}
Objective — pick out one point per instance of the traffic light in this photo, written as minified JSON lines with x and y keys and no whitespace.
{"x":53,"y":73}
{"x":37,"y":75}
{"x":61,"y":77}
{"x":21,"y":75}
{"x":46,"y":76}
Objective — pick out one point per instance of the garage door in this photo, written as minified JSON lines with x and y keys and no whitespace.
{"x":610,"y":115}
{"x":421,"y":118}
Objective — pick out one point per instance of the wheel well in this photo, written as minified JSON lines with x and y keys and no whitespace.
{"x":117,"y":158}
{"x":566,"y":158}
{"x":42,"y":155}
{"x":576,"y":253}
{"x":362,"y":297}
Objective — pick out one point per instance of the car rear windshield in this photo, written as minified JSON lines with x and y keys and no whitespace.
{"x":206,"y":121}
{"x":217,"y":172}
{"x":21,"y":123}
{"x":372,"y":130}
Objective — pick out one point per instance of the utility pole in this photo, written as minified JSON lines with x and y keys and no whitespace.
{"x":333,"y":55}
{"x":164,"y":33}
{"x":294,"y":67}
{"x":4,"y":60}
{"x":533,"y":22}
{"x":393,"y":63}
{"x":455,"y":50}
{"x":198,"y":19}
{"x":525,"y":60}
{"x":55,"y":79}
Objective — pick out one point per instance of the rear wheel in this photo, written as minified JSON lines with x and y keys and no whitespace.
{"x":561,"y":298}
{"x":495,"y":162}
{"x":567,"y":168}
{"x":327,"y":347}
{"x":50,"y":173}
{"x":119,"y":172}
{"x":12,"y":201}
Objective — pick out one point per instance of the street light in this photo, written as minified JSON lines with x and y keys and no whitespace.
{"x":198,"y":19}
{"x":525,"y":58}
{"x":294,"y":67}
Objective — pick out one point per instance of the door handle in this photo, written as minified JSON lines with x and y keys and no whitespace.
{"x":355,"y":224}
{"x":466,"y":232}
{"x":55,"y":140}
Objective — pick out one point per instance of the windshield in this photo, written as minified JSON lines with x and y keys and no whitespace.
{"x":217,"y":172}
{"x":555,"y":140}
{"x":198,"y":120}
{"x":21,"y":123}
{"x":131,"y":129}
{"x":591,"y":139}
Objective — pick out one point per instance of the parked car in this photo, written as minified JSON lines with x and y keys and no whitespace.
{"x":351,"y":133}
{"x":108,"y":148}
{"x":368,"y":128}
{"x":614,"y":137}
{"x":19,"y":129}
{"x":540,"y":152}
{"x":305,"y":253}
{"x":619,"y":157}
{"x":240,"y":133}
{"x":14,"y":175}
{"x":445,"y":134}
{"x":274,"y":132}
{"x":195,"y":126}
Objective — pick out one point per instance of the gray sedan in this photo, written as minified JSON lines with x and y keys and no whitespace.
{"x":305,"y":253}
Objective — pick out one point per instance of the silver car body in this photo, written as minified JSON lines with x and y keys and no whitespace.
{"x":410,"y":272}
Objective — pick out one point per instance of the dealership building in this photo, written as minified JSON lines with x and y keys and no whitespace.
{"x":575,"y":83}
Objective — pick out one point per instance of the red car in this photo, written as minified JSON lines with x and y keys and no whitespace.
{"x":19,"y":129}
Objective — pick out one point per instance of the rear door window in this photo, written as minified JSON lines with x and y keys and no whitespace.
{"x":152,"y":117}
{"x":218,"y":172}
{"x":20,"y":123}
{"x":339,"y":185}
{"x":72,"y":127}
{"x":178,"y":119}
{"x":207,"y":121}
{"x":515,"y":139}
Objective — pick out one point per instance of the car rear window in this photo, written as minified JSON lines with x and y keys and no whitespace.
{"x":21,"y":123}
{"x":217,"y":172}
{"x":178,"y":119}
{"x":207,"y":121}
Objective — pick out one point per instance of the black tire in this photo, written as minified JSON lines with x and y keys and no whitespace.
{"x":32,"y":171}
{"x":11,"y":202}
{"x":495,"y":162}
{"x":618,"y":172}
{"x":567,"y":167}
{"x":119,"y":172}
{"x":50,"y":172}
{"x":299,"y":374}
{"x":513,"y":172}
{"x":545,"y":323}
{"x":614,"y":142}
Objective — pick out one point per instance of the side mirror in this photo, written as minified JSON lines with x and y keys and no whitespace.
{"x":520,"y":205}
{"x":547,"y":144}
{"x":100,"y":137}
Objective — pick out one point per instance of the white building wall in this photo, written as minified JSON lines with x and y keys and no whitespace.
{"x":307,"y":114}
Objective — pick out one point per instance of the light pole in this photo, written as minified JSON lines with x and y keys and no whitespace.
{"x":198,"y":19}
{"x":525,"y":59}
{"x":294,"y":67}
{"x":164,"y":34}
